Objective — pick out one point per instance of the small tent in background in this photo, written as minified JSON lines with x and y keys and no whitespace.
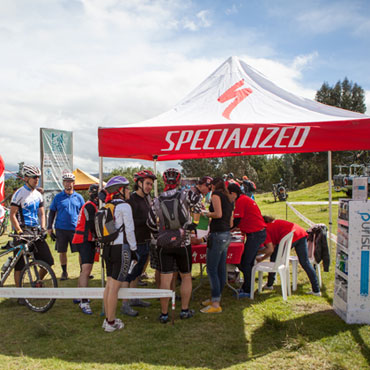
{"x":84,"y":180}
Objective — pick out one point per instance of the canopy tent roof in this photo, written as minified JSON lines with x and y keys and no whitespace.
{"x":84,"y":180}
{"x":238,"y":111}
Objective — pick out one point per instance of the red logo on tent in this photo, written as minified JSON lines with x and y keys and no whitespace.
{"x":231,"y":93}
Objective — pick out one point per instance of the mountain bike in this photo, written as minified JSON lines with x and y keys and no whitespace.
{"x":23,"y":246}
{"x":5,"y":222}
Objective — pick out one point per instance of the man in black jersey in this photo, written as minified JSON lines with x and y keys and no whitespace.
{"x":140,"y":202}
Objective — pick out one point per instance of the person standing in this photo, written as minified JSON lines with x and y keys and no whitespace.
{"x":188,"y":200}
{"x":140,"y":202}
{"x":64,"y":209}
{"x":276,"y":230}
{"x":220,"y":212}
{"x":27,"y":215}
{"x":84,"y":242}
{"x":119,"y":254}
{"x":248,"y":218}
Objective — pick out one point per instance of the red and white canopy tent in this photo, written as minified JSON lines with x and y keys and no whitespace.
{"x":238,"y":111}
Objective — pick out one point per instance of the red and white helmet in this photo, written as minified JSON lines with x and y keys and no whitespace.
{"x":171,"y":176}
{"x":68,"y":176}
{"x":144,"y":174}
{"x":29,"y":170}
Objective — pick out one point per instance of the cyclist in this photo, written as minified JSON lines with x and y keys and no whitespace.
{"x":65,"y":208}
{"x":83,"y":240}
{"x":140,"y":202}
{"x":118,"y":255}
{"x":182,"y":255}
{"x":26,"y":208}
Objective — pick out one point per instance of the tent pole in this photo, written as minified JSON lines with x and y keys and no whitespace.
{"x":155,"y":157}
{"x":330,"y":198}
{"x":101,"y":172}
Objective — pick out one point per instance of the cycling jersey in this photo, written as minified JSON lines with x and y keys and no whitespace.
{"x":67,"y":207}
{"x":123,"y":215}
{"x":85,"y":229}
{"x":28,"y":201}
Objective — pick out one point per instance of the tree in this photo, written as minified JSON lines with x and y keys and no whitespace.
{"x":344,"y":95}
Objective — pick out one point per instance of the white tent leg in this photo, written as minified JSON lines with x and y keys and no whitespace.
{"x":330,"y":198}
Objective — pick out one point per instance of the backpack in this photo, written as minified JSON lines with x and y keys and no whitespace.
{"x":249,"y":186}
{"x":172,"y":211}
{"x":106,"y":231}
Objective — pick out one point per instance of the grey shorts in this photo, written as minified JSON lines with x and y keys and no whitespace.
{"x":64,"y":237}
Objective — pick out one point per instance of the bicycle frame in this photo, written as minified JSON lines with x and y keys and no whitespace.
{"x":22,"y":252}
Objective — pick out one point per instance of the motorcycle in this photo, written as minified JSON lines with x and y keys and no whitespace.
{"x":279,"y":191}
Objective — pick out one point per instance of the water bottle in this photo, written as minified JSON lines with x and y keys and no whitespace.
{"x":7,"y":264}
{"x":132,"y":265}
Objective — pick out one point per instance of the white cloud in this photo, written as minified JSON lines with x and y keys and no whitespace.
{"x":77,"y":65}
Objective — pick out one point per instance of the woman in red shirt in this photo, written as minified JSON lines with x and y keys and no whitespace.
{"x":276,"y":230}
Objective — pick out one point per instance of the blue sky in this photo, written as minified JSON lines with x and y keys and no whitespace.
{"x":80,"y":64}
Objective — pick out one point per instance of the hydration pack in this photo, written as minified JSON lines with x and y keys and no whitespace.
{"x":173,"y":213}
{"x":106,"y":231}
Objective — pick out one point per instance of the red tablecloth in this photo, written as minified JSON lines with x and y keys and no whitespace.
{"x":234,"y":253}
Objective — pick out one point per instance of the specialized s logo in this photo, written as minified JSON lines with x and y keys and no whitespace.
{"x":232,"y":93}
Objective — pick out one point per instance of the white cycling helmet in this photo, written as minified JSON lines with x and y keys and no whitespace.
{"x":68,"y":177}
{"x":29,"y":170}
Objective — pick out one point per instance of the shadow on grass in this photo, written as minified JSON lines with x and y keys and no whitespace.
{"x":294,"y":334}
{"x":65,"y":334}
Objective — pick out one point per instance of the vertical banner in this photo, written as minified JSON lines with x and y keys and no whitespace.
{"x":56,"y":159}
{"x":2,"y":179}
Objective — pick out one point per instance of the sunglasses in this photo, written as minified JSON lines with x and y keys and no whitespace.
{"x":34,"y":177}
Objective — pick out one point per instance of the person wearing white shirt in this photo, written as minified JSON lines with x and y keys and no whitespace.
{"x":121,"y":252}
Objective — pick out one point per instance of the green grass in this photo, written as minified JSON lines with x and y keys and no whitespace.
{"x":266,"y":333}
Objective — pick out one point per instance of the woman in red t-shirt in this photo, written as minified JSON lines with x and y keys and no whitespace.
{"x":276,"y":230}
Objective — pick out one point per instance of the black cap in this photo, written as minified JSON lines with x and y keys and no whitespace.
{"x":234,"y":188}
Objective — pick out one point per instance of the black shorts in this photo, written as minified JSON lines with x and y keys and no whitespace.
{"x":154,"y":259}
{"x":87,"y":252}
{"x":64,"y":237}
{"x":180,"y":255}
{"x":41,"y":252}
{"x":117,"y":259}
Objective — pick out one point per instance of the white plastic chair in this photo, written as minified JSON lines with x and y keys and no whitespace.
{"x":316,"y":266}
{"x":281,"y":265}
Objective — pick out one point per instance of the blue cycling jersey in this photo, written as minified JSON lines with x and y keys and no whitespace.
{"x":28,"y":201}
{"x":67,"y":208}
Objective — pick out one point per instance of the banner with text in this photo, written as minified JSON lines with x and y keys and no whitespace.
{"x":56,"y":159}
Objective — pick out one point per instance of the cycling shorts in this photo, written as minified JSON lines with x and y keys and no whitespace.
{"x":117,"y":259}
{"x":87,"y":252}
{"x":41,"y":252}
{"x":64,"y":237}
{"x":179,"y":255}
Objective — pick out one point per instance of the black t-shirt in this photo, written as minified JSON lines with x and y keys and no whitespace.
{"x":223,"y":223}
{"x":140,"y":209}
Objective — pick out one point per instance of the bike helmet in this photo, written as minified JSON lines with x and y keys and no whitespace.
{"x":116,"y":183}
{"x":94,"y":189}
{"x":171,"y":176}
{"x":230,"y":175}
{"x":68,"y":176}
{"x":29,"y":170}
{"x":205,"y":180}
{"x":144,"y":174}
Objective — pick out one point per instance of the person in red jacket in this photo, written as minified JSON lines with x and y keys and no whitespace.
{"x":276,"y":230}
{"x":248,"y":218}
{"x":83,"y":239}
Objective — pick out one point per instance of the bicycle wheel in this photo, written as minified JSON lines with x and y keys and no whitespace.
{"x":30,"y":278}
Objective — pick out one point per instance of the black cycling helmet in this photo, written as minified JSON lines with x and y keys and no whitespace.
{"x":94,"y":189}
{"x":171,"y":176}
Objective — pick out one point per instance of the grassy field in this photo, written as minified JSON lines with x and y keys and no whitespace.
{"x":266,"y":333}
